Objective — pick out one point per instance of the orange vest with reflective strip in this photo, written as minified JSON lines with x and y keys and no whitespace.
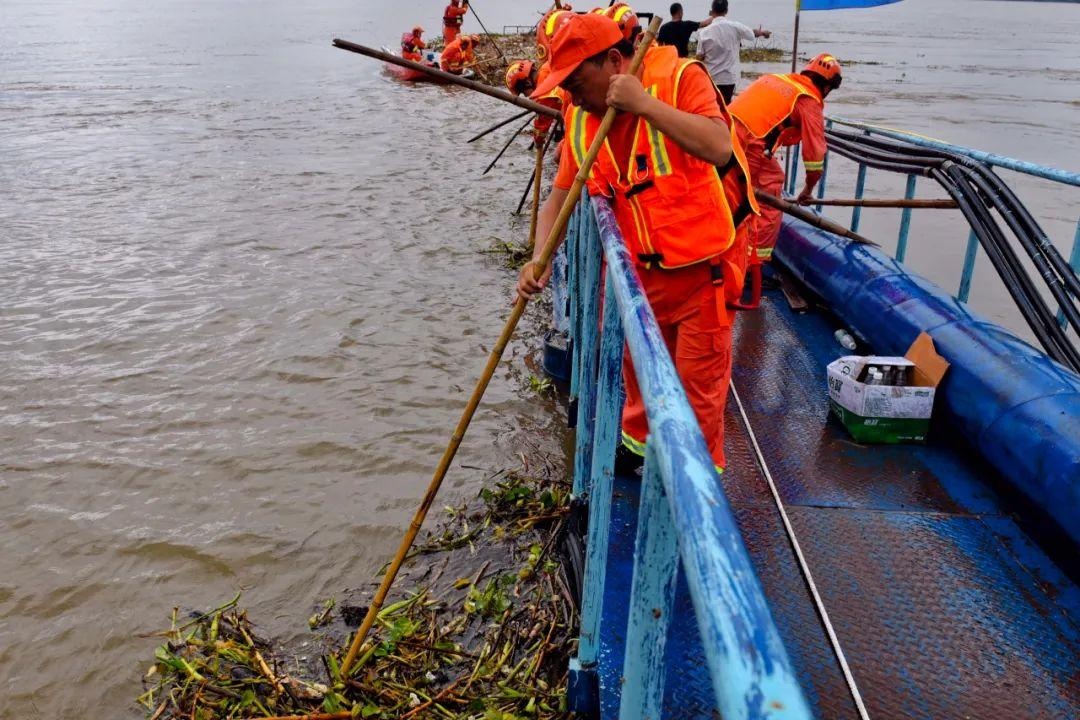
{"x":672,"y":207}
{"x":769,"y":101}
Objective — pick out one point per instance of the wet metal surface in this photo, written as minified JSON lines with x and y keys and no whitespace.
{"x":944,"y":608}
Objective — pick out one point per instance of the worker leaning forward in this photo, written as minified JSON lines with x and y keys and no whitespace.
{"x":522,"y":78}
{"x":778,"y":110}
{"x":453,"y":18}
{"x":459,"y":54}
{"x":677,"y":213}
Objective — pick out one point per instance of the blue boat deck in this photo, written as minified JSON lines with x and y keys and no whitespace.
{"x":942,"y":603}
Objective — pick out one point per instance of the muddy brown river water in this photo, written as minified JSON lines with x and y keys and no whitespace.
{"x":242,"y":298}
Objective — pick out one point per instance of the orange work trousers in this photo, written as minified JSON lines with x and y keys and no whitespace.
{"x":450,"y":34}
{"x":685,"y":304}
{"x":765,"y":174}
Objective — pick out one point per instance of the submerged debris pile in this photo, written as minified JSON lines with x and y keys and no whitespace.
{"x":492,"y":643}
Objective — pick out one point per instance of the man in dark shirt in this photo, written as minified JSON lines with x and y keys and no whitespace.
{"x":677,"y":31}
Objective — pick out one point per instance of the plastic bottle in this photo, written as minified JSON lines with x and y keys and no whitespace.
{"x":888,"y":375}
{"x":844,"y":338}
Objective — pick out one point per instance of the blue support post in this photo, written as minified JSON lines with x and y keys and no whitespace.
{"x":824,"y":176}
{"x":573,"y":289}
{"x":792,"y":177}
{"x":969,"y":267}
{"x":587,"y":354}
{"x":608,"y":408}
{"x":860,"y":185}
{"x":652,"y":595}
{"x":905,"y":220}
{"x":1074,"y":263}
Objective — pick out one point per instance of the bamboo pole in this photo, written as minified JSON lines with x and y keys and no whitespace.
{"x":539,"y":266}
{"x":448,"y":77}
{"x":498,"y":125}
{"x":538,"y":172}
{"x":810,"y":217}
{"x":528,"y":186}
{"x":943,"y":203}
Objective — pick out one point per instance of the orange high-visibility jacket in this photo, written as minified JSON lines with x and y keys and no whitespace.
{"x":768,"y":102}
{"x":454,"y":57}
{"x":672,"y":207}
{"x":453,"y":17}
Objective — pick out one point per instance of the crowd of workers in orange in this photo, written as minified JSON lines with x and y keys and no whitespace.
{"x":679,"y":165}
{"x":459,"y":50}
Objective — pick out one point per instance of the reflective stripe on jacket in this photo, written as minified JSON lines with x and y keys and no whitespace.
{"x":672,"y":207}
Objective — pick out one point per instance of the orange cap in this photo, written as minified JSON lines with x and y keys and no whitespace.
{"x":579,"y":39}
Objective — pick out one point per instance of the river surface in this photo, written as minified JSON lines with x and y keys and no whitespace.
{"x":243,"y":296}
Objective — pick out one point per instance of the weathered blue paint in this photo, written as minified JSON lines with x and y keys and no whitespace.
{"x":1012,"y":403}
{"x":583,"y":690}
{"x":560,"y":315}
{"x":586,"y":408}
{"x":573,"y":232}
{"x":749,"y":667}
{"x":969,"y":267}
{"x":905,"y":220}
{"x":793,"y":173}
{"x":652,"y":596}
{"x":1049,"y":173}
{"x":608,"y":412}
{"x":860,"y":186}
{"x":824,"y":176}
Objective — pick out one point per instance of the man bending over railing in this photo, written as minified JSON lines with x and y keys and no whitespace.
{"x":677,"y":213}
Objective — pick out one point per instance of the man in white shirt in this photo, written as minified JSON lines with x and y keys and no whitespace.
{"x":718,"y":47}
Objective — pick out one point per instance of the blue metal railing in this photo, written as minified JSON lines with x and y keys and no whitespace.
{"x":1065,"y":177}
{"x":684,"y":515}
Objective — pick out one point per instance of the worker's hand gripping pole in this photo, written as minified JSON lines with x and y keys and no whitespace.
{"x":540,"y":264}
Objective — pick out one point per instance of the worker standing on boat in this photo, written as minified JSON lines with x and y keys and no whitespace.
{"x":458,"y":54}
{"x":412,"y":43}
{"x":719,"y":47}
{"x":522,"y":78}
{"x":453,"y":18}
{"x":676,"y":214}
{"x":774,"y":111}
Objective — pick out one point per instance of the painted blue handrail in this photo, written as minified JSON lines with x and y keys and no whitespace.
{"x":682,"y":506}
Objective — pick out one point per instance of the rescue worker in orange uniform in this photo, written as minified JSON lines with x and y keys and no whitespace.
{"x":774,"y":111}
{"x":522,"y":77}
{"x":412,"y":44}
{"x":458,"y":54}
{"x":676,"y":211}
{"x":546,"y":29}
{"x":453,"y":17}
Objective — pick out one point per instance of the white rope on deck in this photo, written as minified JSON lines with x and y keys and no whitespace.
{"x":822,"y":612}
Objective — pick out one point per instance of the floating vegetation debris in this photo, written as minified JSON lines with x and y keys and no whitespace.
{"x":491,"y":644}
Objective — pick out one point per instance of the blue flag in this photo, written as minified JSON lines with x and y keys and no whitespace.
{"x":840,"y":4}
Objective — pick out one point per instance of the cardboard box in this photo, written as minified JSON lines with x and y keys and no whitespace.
{"x":887,"y":413}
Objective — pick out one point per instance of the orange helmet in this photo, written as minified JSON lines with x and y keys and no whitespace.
{"x":547,"y":27}
{"x":624,"y":16}
{"x":519,"y":72}
{"x":418,"y":30}
{"x":827,"y":67}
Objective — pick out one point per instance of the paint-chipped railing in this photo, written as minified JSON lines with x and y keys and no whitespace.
{"x":1064,"y":177}
{"x":684,"y":515}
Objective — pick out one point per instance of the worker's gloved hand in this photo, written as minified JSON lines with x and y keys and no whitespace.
{"x":529,"y":285}
{"x":538,"y":140}
{"x":806,"y":197}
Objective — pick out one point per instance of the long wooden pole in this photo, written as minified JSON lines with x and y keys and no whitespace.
{"x":539,"y":266}
{"x":943,"y":203}
{"x":448,"y":77}
{"x":538,"y":173}
{"x":498,"y":125}
{"x":810,"y":217}
{"x":528,"y":186}
{"x":487,"y":32}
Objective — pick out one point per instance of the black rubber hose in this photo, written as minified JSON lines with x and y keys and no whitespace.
{"x":1052,"y":279}
{"x":1018,"y":284}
